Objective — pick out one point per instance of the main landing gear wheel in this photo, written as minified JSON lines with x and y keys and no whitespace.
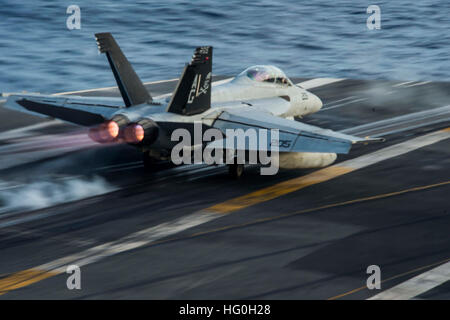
{"x":236,"y":170}
{"x":149,"y":162}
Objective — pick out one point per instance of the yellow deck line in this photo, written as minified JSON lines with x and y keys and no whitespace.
{"x":27,"y":277}
{"x":328,"y":173}
{"x":279,"y":189}
{"x":310,"y":210}
{"x":23,"y":278}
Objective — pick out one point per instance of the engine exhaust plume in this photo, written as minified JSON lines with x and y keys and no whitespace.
{"x":145,"y":131}
{"x":134,"y":133}
{"x":106,"y":132}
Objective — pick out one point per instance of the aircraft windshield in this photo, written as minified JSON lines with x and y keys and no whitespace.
{"x":267,"y":74}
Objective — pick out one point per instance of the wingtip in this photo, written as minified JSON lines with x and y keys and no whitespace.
{"x":103,"y":40}
{"x":202,"y":55}
{"x":380,"y":139}
{"x":368,"y":139}
{"x":102,"y":35}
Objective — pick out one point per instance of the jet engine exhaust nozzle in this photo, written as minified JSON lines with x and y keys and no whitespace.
{"x":133,"y":133}
{"x":106,"y":132}
{"x":144,"y":130}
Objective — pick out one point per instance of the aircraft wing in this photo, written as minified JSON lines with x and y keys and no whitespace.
{"x":85,"y":111}
{"x":294,"y":136}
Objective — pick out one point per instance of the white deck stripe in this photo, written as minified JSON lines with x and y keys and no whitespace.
{"x":417,"y":285}
{"x":340,"y":100}
{"x":115,"y":87}
{"x":342,"y":104}
{"x":402,"y":84}
{"x":109,"y":88}
{"x":318,"y":82}
{"x":417,"y":84}
{"x":152,"y":234}
{"x":130,"y":242}
{"x":25,"y":131}
{"x":216,"y":83}
{"x":396,"y":150}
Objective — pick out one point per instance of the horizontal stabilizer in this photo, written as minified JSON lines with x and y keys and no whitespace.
{"x":85,"y":111}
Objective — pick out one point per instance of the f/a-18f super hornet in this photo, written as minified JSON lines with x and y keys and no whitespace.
{"x":261,"y":97}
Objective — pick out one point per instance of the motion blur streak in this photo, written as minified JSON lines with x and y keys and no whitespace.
{"x":153,"y":235}
{"x":22,"y":279}
{"x":280,"y":189}
{"x":328,"y":173}
{"x":76,"y":140}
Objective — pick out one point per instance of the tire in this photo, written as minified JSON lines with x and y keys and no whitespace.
{"x":236,"y":170}
{"x":149,"y":162}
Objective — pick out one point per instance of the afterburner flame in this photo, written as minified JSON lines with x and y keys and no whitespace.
{"x":134,"y":133}
{"x":106,"y":132}
{"x":109,"y":130}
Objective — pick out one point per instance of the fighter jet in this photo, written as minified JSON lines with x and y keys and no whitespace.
{"x":259,"y":98}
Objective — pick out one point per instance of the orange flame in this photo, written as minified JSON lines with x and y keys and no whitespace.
{"x":106,"y":132}
{"x":134,"y":133}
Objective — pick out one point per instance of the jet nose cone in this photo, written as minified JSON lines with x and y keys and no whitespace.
{"x":316,"y":103}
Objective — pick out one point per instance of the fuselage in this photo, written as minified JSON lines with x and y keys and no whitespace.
{"x":253,"y":100}
{"x":265,"y":88}
{"x":282,"y":98}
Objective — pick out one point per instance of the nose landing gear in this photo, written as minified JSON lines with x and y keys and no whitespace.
{"x":148,"y":161}
{"x":235,"y":170}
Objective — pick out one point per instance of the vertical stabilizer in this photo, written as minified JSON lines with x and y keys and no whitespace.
{"x":193,"y":92}
{"x":131,"y":87}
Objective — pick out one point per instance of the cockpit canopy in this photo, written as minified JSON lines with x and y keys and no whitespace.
{"x":267,"y":74}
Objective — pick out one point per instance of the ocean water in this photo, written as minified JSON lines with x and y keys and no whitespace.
{"x":304,"y":38}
